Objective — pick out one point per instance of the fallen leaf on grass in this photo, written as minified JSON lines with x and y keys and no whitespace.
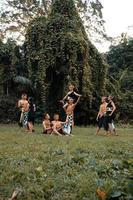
{"x":101,"y":194}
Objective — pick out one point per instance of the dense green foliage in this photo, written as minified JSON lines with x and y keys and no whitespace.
{"x":12,"y":80}
{"x":7,"y":69}
{"x":58,"y":48}
{"x":120,"y":59}
{"x":25,"y":10}
{"x":57,"y":52}
{"x":43,"y":167}
{"x":63,"y":57}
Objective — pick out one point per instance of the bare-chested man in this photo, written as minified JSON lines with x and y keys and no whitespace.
{"x":57,"y":126}
{"x":23,"y":105}
{"x":101,"y":114}
{"x":69,"y":110}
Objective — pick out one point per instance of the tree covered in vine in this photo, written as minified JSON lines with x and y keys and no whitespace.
{"x":58,"y":53}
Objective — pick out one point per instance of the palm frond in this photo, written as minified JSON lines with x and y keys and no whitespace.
{"x":22,"y":80}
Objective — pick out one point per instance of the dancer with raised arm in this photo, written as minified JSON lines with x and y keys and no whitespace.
{"x":69,"y":110}
{"x":70,"y":95}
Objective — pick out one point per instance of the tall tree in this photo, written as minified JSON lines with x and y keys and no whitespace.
{"x":64,"y":51}
{"x":120,"y":82}
{"x":99,"y":69}
{"x":16,"y":14}
{"x":35,"y":57}
{"x":7,"y":68}
{"x":120,"y":59}
{"x":58,"y":52}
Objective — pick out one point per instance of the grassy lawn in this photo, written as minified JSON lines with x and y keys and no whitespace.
{"x":43,"y":167}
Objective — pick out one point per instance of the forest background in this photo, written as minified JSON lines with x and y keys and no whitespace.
{"x":58,"y":49}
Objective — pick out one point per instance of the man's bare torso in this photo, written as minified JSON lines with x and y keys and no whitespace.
{"x":70,"y":109}
{"x":23,"y":105}
{"x":47,"y":123}
{"x":57,"y":124}
{"x":103,"y":108}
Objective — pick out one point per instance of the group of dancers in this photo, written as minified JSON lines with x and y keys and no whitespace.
{"x":55,"y":126}
{"x":106,"y":115}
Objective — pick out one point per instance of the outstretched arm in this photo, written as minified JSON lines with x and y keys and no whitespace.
{"x":78,"y":95}
{"x":66,"y":96}
{"x":77,"y":101}
{"x":62,"y":123}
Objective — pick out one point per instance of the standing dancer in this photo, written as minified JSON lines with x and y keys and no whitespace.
{"x":23,"y":105}
{"x":69,"y":110}
{"x":110,"y":116}
{"x":101,"y":115}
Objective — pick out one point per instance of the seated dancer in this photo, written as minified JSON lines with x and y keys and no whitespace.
{"x":57,"y":126}
{"x":31,"y":114}
{"x":101,"y":114}
{"x":23,"y":105}
{"x":70,"y":95}
{"x":69,"y":109}
{"x":47,"y":128}
{"x":110,"y":115}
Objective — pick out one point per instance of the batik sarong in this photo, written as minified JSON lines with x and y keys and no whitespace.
{"x":70,"y":121}
{"x":25,"y":119}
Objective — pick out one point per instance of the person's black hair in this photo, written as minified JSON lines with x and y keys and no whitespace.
{"x":24,"y":94}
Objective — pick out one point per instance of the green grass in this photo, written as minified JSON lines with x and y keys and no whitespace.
{"x":65,"y":168}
